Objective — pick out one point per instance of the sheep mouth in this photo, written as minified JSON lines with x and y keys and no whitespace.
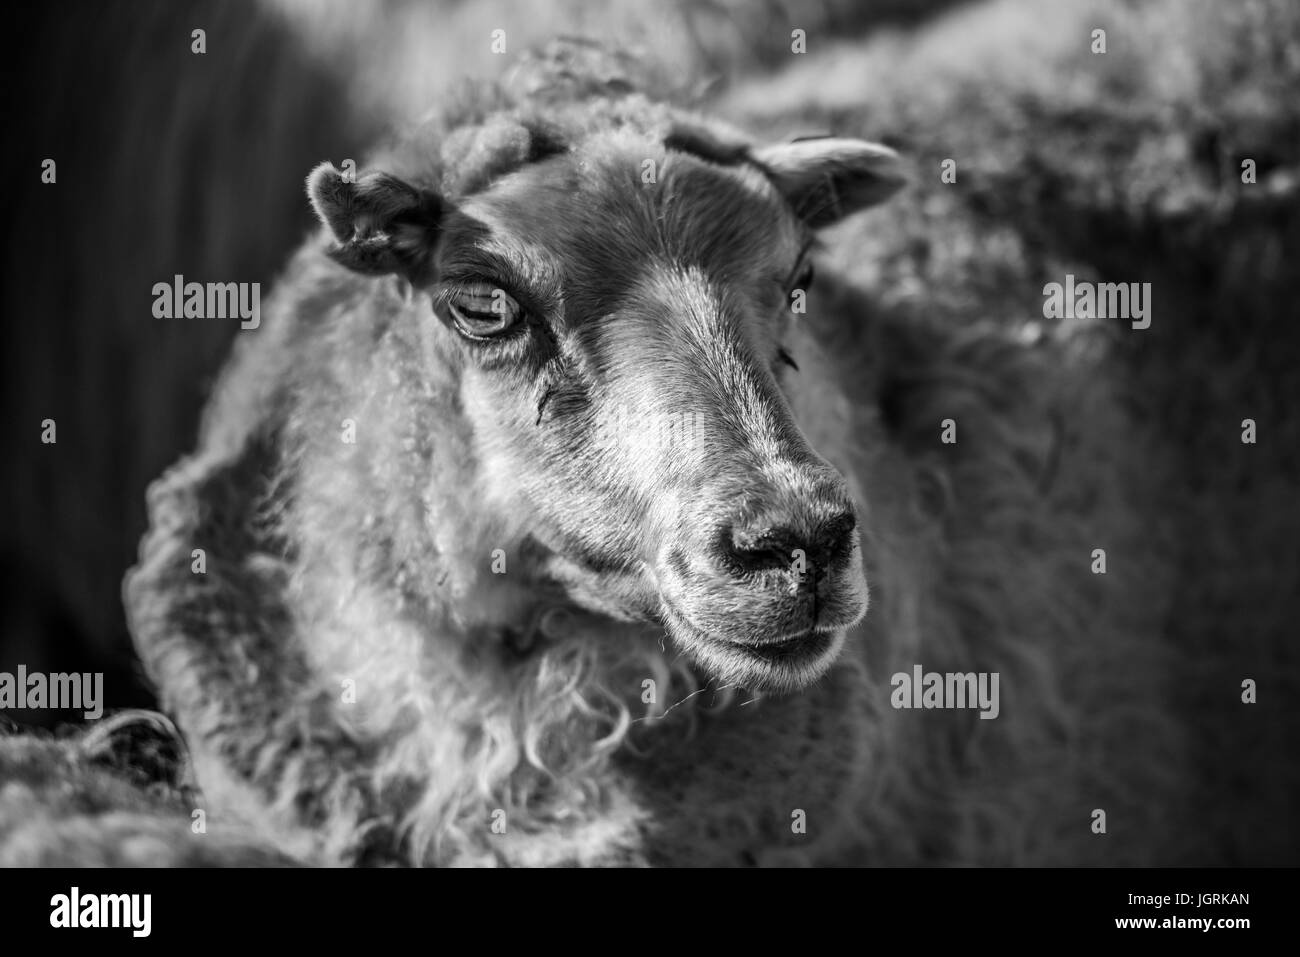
{"x":781,"y":666}
{"x":808,"y":643}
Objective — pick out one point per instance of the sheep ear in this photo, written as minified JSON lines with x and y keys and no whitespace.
{"x":380,"y":223}
{"x":827,"y":178}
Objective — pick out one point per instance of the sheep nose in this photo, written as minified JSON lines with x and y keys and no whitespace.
{"x":778,"y":544}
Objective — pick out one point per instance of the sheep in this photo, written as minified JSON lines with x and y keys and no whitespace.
{"x":448,"y":615}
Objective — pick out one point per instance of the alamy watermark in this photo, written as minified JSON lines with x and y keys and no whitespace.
{"x":83,"y":691}
{"x":1098,"y":300}
{"x":214,"y":300}
{"x":971,"y":689}
{"x":130,"y":911}
{"x":663,"y":432}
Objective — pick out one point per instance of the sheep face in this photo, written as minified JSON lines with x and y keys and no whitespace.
{"x":615,"y":315}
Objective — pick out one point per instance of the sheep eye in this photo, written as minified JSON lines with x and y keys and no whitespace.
{"x":481,"y":310}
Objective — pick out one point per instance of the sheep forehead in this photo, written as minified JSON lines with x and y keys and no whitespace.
{"x":618,"y":201}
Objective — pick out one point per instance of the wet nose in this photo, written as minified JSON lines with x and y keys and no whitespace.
{"x":777,"y":543}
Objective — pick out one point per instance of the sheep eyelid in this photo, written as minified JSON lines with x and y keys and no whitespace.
{"x":473,"y":285}
{"x":530,"y":305}
{"x":462,"y":319}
